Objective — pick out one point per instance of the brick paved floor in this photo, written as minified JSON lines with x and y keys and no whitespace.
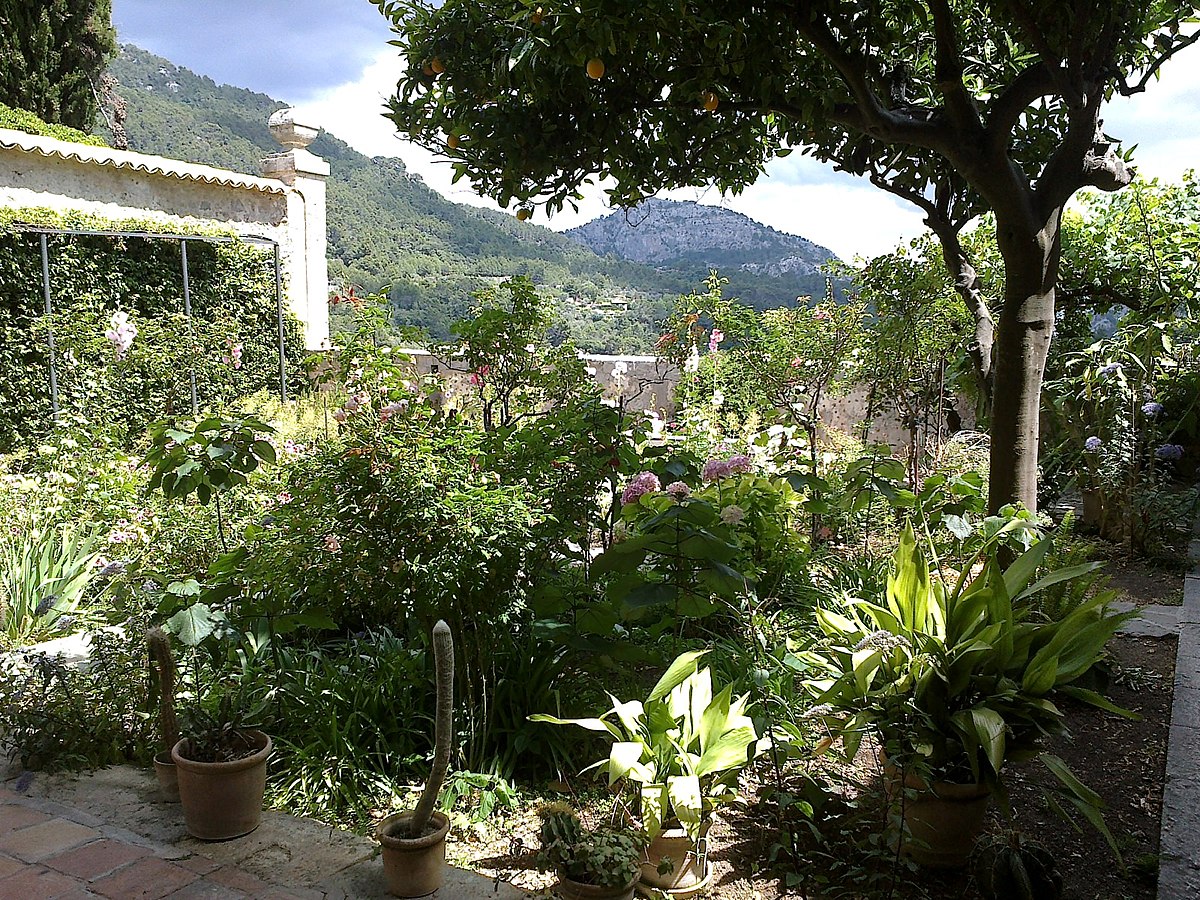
{"x":50,"y":852}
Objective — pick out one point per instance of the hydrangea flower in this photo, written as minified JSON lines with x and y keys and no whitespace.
{"x":731,"y":515}
{"x":1110,"y":370}
{"x":121,"y":333}
{"x":642,"y":484}
{"x":1169,"y":452}
{"x":715,"y":470}
{"x":738,"y":463}
{"x":1152,"y":409}
{"x":1092,"y":444}
{"x":678,"y":491}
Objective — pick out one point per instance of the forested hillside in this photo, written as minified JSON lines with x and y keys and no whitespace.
{"x":389,"y":231}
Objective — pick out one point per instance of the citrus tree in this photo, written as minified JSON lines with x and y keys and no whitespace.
{"x":959,"y":106}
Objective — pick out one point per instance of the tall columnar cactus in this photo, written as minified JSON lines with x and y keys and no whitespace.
{"x":443,"y":656}
{"x":162,"y":663}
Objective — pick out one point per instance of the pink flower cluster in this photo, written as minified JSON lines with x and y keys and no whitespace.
{"x":476,"y":378}
{"x":391,"y":409}
{"x":716,"y":469}
{"x":678,"y":491}
{"x":121,"y":333}
{"x":353,"y":404}
{"x":715,"y":339}
{"x":234,"y":356}
{"x":642,"y":484}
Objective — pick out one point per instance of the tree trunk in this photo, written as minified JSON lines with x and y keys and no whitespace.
{"x":1022,"y":345}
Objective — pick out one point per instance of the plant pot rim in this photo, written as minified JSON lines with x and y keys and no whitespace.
{"x":392,"y":842}
{"x":567,"y":879}
{"x":947,"y":790}
{"x":165,"y":757}
{"x":266,"y":745}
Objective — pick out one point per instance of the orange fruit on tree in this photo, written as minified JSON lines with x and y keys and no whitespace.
{"x":710,"y":101}
{"x":537,"y":16}
{"x":452,"y":142}
{"x":595,"y":68}
{"x":437,"y":65}
{"x":428,"y":70}
{"x":524,"y":213}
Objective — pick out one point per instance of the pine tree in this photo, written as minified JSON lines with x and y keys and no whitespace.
{"x":52,"y":54}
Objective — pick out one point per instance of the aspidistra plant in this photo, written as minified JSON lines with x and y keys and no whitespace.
{"x":681,"y":750}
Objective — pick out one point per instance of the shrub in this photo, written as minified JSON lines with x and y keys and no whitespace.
{"x":20,"y":120}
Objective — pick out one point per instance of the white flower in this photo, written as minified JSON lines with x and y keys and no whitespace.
{"x":731,"y":515}
{"x":718,"y":399}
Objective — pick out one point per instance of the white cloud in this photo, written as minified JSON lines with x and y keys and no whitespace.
{"x":796,"y":195}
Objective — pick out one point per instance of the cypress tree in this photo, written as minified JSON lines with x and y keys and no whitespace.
{"x":52,"y":54}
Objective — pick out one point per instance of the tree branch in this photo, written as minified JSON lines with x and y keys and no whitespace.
{"x":1032,"y":83}
{"x":948,"y":71}
{"x":1128,"y":90}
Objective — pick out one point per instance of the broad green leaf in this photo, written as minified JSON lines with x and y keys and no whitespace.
{"x":654,"y":808}
{"x":625,"y":761}
{"x":684,"y":793}
{"x":1017,"y":576}
{"x":683,"y":666}
{"x":193,"y":625}
{"x":730,"y":751}
{"x":589,"y":724}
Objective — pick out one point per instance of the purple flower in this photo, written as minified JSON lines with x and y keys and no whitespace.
{"x":1092,"y":444}
{"x":679,"y":491}
{"x":715,"y":340}
{"x":714,"y":470}
{"x":1110,"y":370}
{"x":1152,"y":409}
{"x":1169,"y":452}
{"x":738,"y":463}
{"x":642,"y":484}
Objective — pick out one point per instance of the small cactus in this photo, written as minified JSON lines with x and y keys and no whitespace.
{"x":1014,"y":869}
{"x":162,"y":674}
{"x":443,"y":657}
{"x":559,"y":823}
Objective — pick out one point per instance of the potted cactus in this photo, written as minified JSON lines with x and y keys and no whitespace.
{"x":604,"y":864}
{"x":414,"y":841}
{"x":162,"y":683}
{"x":1012,"y":868}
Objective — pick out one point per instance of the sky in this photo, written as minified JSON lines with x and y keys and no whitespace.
{"x":331,"y":59}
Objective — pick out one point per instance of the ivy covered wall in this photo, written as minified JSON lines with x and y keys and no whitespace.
{"x":231,"y":339}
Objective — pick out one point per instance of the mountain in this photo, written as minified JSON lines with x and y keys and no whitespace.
{"x":765,"y":267}
{"x":388,"y":231}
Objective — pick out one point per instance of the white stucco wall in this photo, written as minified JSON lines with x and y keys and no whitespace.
{"x":62,"y":176}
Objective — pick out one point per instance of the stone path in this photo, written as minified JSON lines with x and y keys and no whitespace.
{"x":1179,"y":848}
{"x":58,"y":842}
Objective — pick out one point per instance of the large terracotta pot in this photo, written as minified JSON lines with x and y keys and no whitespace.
{"x":168,"y":778}
{"x":223,"y":800}
{"x":577,"y":890}
{"x":413,"y":867}
{"x":690,"y":872}
{"x":943,"y":820}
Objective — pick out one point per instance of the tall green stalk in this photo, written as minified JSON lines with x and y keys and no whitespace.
{"x":443,"y":655}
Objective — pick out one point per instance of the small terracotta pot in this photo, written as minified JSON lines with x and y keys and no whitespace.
{"x":223,"y":800}
{"x":168,"y":777}
{"x":413,"y":867}
{"x":691,"y":872}
{"x":943,"y":820}
{"x":568,"y":889}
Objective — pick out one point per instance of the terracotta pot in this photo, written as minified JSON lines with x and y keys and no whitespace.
{"x":223,"y":800}
{"x":691,"y":872}
{"x":577,"y":890}
{"x":168,"y":778}
{"x":1093,"y":509}
{"x":413,"y":867}
{"x":942,"y":820}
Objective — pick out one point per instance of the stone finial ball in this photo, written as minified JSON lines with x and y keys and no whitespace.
{"x":289,"y":132}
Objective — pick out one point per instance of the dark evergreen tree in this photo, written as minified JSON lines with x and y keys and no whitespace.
{"x":52,"y":54}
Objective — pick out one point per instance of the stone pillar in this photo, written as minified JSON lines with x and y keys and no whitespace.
{"x":306,"y":270}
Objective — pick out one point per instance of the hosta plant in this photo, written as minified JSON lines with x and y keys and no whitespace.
{"x":681,"y":750}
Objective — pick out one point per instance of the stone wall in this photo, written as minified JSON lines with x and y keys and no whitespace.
{"x":648,"y":383}
{"x":289,"y":209}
